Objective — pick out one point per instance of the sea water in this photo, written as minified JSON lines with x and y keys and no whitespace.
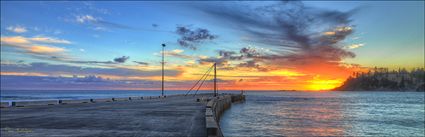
{"x":38,"y":95}
{"x":326,"y":114}
{"x":272,"y":113}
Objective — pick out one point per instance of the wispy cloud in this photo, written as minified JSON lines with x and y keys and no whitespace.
{"x":141,"y":63}
{"x":30,"y":40}
{"x":49,"y":40}
{"x":354,"y":46}
{"x":60,"y":70}
{"x":97,"y":23}
{"x":88,"y":82}
{"x":45,"y":49}
{"x":85,"y":19}
{"x":17,"y":29}
{"x":30,"y":45}
{"x":176,"y":53}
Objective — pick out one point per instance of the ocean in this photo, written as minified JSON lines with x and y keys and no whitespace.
{"x":38,"y":95}
{"x":271,"y":113}
{"x":326,"y":114}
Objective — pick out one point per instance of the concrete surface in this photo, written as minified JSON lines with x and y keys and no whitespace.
{"x":171,"y":116}
{"x":214,"y":108}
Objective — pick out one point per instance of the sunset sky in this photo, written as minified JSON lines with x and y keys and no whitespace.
{"x":275,"y":45}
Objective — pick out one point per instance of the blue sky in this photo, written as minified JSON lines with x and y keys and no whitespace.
{"x":93,"y":34}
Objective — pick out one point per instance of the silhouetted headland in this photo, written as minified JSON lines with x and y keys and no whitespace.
{"x":381,"y":79}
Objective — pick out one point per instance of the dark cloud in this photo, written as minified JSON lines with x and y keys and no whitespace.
{"x":211,"y":60}
{"x":141,"y":63}
{"x":294,"y":32}
{"x":226,"y":53}
{"x":252,"y":64}
{"x":121,"y":59}
{"x":249,"y":52}
{"x":191,"y":38}
{"x":115,"y":60}
{"x":51,"y":69}
{"x":104,"y":23}
{"x":93,"y":62}
{"x":231,"y":55}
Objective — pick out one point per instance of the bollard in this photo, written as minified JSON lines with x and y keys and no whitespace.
{"x":4,"y":104}
{"x":91,"y":100}
{"x":12,"y":104}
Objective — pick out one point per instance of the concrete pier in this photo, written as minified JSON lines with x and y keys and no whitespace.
{"x":214,"y":108}
{"x":174,"y":115}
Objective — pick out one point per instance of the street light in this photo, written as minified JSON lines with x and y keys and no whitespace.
{"x":162,"y":93}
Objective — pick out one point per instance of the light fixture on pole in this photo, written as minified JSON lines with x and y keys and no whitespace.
{"x":162,"y":87}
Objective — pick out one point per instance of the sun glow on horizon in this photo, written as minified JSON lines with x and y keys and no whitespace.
{"x":318,"y":84}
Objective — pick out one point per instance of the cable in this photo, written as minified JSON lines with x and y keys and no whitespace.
{"x":198,"y":81}
{"x":202,"y":83}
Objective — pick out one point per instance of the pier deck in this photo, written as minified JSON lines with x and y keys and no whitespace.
{"x":171,"y":116}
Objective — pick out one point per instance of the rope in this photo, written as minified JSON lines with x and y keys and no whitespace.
{"x":202,"y":83}
{"x":199,"y":80}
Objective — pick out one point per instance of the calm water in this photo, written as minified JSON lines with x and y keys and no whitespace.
{"x":32,"y":95}
{"x":293,"y":113}
{"x":326,"y":114}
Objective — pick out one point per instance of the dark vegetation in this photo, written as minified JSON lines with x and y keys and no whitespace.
{"x":381,"y":79}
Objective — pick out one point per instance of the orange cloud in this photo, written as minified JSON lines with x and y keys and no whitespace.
{"x":45,"y":49}
{"x":29,"y":45}
{"x":16,"y":40}
{"x":22,"y":74}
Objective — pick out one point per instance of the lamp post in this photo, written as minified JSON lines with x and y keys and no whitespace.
{"x":162,"y":87}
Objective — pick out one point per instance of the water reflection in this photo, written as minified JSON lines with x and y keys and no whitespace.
{"x":310,"y":116}
{"x":326,"y":114}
